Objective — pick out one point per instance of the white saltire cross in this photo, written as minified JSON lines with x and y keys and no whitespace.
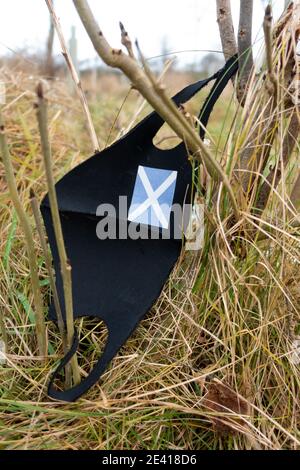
{"x":145,"y":198}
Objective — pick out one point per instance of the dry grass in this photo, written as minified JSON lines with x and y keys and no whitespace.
{"x":209,"y":368}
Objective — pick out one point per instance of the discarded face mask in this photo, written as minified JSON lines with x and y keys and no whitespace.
{"x":118,"y":280}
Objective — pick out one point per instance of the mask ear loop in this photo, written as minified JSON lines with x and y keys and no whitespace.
{"x":153,"y":123}
{"x":229,"y":71}
{"x":151,"y":126}
{"x":115,"y":340}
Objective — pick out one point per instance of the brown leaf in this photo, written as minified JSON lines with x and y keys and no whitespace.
{"x":220,"y":398}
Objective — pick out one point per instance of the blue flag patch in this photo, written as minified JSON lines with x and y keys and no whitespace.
{"x":152,"y":196}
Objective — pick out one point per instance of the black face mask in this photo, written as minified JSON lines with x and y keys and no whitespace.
{"x":118,"y":280}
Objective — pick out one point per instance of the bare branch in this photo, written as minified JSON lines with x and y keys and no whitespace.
{"x":161,"y":91}
{"x":290,"y":86}
{"x":40,"y":229}
{"x":295,"y":196}
{"x":275,"y":174}
{"x":48,"y":262}
{"x":267,"y":26}
{"x":287,"y":3}
{"x":284,"y":19}
{"x":245,"y":48}
{"x":25,"y":223}
{"x":226,"y":28}
{"x":64,"y":264}
{"x":256,"y":152}
{"x":49,"y":67}
{"x":138,"y":78}
{"x":75,"y":77}
{"x":125,"y":40}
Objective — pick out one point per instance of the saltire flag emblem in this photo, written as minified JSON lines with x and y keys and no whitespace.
{"x":152,"y":196}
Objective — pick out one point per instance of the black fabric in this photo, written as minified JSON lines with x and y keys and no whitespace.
{"x":119,"y":280}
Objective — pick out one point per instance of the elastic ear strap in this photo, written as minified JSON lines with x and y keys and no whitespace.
{"x":222,"y":76}
{"x":229,"y":71}
{"x":86,"y":383}
{"x":52,"y":392}
{"x":153,"y":122}
{"x":76,"y":391}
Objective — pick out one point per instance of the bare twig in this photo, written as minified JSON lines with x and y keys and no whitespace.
{"x":285,"y":18}
{"x":49,"y":66}
{"x":161,"y":91}
{"x":287,"y":3}
{"x":290,"y":84}
{"x":245,"y":48}
{"x":167,"y":65}
{"x":295,"y":196}
{"x":226,"y":28}
{"x":25,"y":223}
{"x":255,"y":155}
{"x":75,"y":76}
{"x":275,"y":174}
{"x":267,"y":26}
{"x":130,"y":67}
{"x":64,"y":264}
{"x":126,"y":41}
{"x":48,"y":262}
